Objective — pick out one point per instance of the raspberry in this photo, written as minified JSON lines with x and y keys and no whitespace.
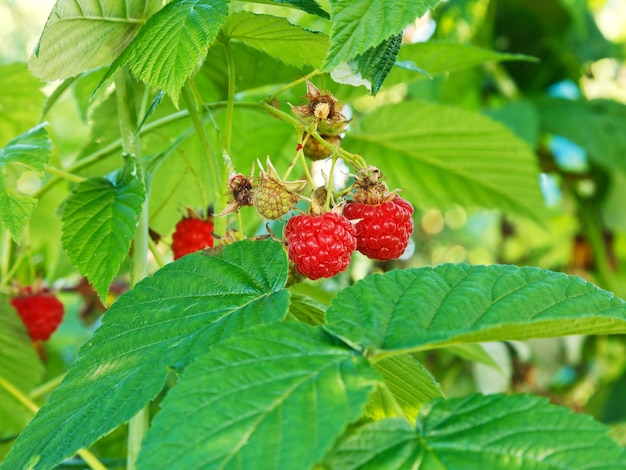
{"x":273,"y":197}
{"x":384,"y":229}
{"x":320,"y":245}
{"x":40,"y":311}
{"x":192,"y":234}
{"x":314,"y":150}
{"x":272,"y":200}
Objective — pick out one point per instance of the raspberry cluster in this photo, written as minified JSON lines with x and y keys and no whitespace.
{"x":364,"y":217}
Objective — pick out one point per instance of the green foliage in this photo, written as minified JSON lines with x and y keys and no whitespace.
{"x":84,"y":34}
{"x":595,"y":125}
{"x":435,"y":148}
{"x":359,"y":26}
{"x":477,"y":432}
{"x":278,"y":38}
{"x":237,"y":361}
{"x":99,"y":221}
{"x":165,"y":322}
{"x":173,"y":44}
{"x":27,"y":152}
{"x":462,"y":303}
{"x":269,"y":374}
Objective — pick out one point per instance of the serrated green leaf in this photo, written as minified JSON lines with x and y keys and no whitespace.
{"x":596,"y":125}
{"x":20,"y":101}
{"x":278,"y":38}
{"x":375,"y":63}
{"x":19,"y":365}
{"x":443,"y":155}
{"x":173,"y":43}
{"x":409,"y":382}
{"x":81,"y":35}
{"x":495,"y":432}
{"x":360,"y":25}
{"x":309,"y":6}
{"x":99,"y":222}
{"x":306,"y":309}
{"x":27,"y":152}
{"x":436,"y":57}
{"x":448,"y":304}
{"x":165,"y":321}
{"x":274,"y":396}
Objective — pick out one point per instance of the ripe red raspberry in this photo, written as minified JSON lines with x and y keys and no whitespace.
{"x":384,"y":229}
{"x":40,"y":311}
{"x":192,"y":234}
{"x":320,"y":245}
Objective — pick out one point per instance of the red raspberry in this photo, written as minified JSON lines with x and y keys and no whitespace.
{"x":320,"y":245}
{"x":191,"y":235}
{"x":40,"y":311}
{"x":384,"y":229}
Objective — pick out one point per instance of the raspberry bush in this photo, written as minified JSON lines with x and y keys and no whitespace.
{"x":378,"y":253}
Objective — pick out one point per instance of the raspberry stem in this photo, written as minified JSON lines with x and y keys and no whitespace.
{"x":293,"y":84}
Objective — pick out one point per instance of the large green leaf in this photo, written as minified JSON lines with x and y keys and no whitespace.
{"x":596,"y":125}
{"x":20,"y":101}
{"x":436,"y":57}
{"x":495,"y":432}
{"x":360,"y":25}
{"x":27,"y":152}
{"x":99,"y":222}
{"x":278,"y":38}
{"x":165,"y":321}
{"x":173,"y":44}
{"x":19,"y":365}
{"x":429,"y":307}
{"x":409,"y":382}
{"x":443,"y":155}
{"x":81,"y":35}
{"x":275,"y":396}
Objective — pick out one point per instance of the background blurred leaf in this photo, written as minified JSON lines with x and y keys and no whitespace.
{"x":427,"y":149}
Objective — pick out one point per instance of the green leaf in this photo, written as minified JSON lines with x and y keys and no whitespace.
{"x":443,"y":155}
{"x":409,"y":381}
{"x":99,"y":222}
{"x":173,"y":43}
{"x":21,"y":100}
{"x":165,"y":321}
{"x":448,"y":304}
{"x":375,"y":63}
{"x":278,"y":38}
{"x":81,"y":35}
{"x":360,"y":25}
{"x":19,"y":366}
{"x":306,"y":309}
{"x":309,"y":6}
{"x":27,"y":152}
{"x":495,"y":432}
{"x":437,"y":57}
{"x":595,"y":125}
{"x":274,"y":396}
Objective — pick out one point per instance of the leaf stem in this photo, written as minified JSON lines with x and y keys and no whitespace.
{"x":127,"y":115}
{"x":47,"y":387}
{"x":87,"y":456}
{"x":292,"y":84}
{"x":210,"y":155}
{"x":230,"y":103}
{"x":64,"y":174}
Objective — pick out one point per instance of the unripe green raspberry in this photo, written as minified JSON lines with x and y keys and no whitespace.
{"x":272,"y":200}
